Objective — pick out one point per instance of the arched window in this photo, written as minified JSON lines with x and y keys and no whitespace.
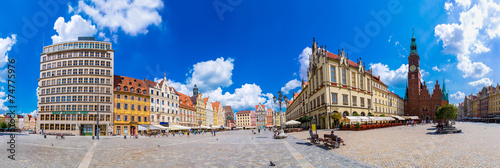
{"x":131,"y":89}
{"x":117,"y":87}
{"x":125,"y":88}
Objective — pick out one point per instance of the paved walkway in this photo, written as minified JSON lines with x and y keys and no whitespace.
{"x":406,"y":146}
{"x":227,"y":149}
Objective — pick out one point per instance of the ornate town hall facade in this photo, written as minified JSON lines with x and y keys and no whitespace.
{"x":418,"y":101}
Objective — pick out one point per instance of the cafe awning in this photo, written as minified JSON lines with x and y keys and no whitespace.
{"x":178,"y":127}
{"x":142,"y":128}
{"x":398,"y":117}
{"x":161,"y":127}
{"x":411,"y":117}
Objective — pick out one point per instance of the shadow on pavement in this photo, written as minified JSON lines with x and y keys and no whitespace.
{"x":317,"y":145}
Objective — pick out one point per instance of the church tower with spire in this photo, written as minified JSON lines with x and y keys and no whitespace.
{"x":418,"y":101}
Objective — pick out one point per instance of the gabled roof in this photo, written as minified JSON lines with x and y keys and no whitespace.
{"x":129,"y":82}
{"x":185,"y":100}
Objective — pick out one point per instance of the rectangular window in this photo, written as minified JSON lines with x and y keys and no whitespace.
{"x":332,"y":74}
{"x":334,"y":98}
{"x":343,"y":76}
{"x":345,"y":99}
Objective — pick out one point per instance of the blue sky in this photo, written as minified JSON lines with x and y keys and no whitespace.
{"x":241,"y":52}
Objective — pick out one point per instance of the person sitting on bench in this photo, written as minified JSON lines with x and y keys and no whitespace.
{"x":340,"y":140}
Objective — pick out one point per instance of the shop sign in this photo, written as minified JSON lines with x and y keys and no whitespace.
{"x":70,"y":112}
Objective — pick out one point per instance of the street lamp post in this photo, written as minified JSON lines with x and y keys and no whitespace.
{"x":199,"y":123}
{"x":281,"y":101}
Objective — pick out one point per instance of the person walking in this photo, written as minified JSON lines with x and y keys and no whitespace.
{"x":215,"y":131}
{"x":259,"y":130}
{"x":188,"y":134}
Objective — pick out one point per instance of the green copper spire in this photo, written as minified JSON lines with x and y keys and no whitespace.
{"x":413,"y":45}
{"x":445,"y":93}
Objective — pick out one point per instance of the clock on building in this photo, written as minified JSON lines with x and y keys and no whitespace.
{"x":413,"y":68}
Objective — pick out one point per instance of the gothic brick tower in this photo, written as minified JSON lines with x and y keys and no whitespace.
{"x":414,"y":80}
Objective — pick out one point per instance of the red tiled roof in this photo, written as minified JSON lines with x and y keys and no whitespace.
{"x":129,"y":82}
{"x":336,"y":57}
{"x":257,"y":106}
{"x":244,"y":112}
{"x":185,"y":100}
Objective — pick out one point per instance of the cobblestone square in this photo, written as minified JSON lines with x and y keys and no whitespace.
{"x":388,"y":147}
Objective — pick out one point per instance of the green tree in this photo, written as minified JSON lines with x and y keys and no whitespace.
{"x":447,"y":112}
{"x":355,"y":114}
{"x":383,"y":115}
{"x":336,"y":117}
{"x":3,"y":125}
{"x":371,"y":114}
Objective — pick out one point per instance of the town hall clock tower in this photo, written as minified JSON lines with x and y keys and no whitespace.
{"x":414,"y":77}
{"x":418,"y":100}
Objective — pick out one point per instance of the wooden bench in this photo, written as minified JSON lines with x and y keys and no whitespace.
{"x":60,"y":135}
{"x":315,"y":139}
{"x":331,"y":140}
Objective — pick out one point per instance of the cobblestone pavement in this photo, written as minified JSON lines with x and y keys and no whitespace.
{"x":227,"y":149}
{"x":406,"y":146}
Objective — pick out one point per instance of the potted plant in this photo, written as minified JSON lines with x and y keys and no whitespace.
{"x":357,"y":126}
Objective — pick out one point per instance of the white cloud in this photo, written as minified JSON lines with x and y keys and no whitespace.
{"x":430,"y":82}
{"x":304,"y":62}
{"x":390,"y":37}
{"x":478,"y":24}
{"x":397,"y":43}
{"x":448,"y":5}
{"x":211,"y":74}
{"x":481,"y":82}
{"x":463,"y":3}
{"x":133,"y":17}
{"x":394,"y":78}
{"x":3,"y":99}
{"x":70,"y":9}
{"x":290,"y":85}
{"x":33,"y":113}
{"x":207,"y":76}
{"x":5,"y":46}
{"x":245,"y":97}
{"x":435,"y":68}
{"x":71,"y":30}
{"x":471,"y":69}
{"x":458,"y":95}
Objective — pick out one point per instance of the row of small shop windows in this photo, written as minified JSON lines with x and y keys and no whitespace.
{"x":80,"y":89}
{"x":74,"y":80}
{"x":76,"y":63}
{"x":105,"y":108}
{"x":76,"y":72}
{"x":74,"y":117}
{"x":74,"y":99}
{"x":77,"y":45}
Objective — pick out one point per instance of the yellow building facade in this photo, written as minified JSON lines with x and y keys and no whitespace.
{"x":131,"y":105}
{"x":494,"y":101}
{"x":380,"y":97}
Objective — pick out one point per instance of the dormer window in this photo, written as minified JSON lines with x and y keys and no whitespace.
{"x":125,"y":88}
{"x":117,"y":87}
{"x":139,"y":85}
{"x":131,"y":89}
{"x":130,"y":83}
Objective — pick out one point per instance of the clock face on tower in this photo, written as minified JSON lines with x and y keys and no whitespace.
{"x":413,"y":68}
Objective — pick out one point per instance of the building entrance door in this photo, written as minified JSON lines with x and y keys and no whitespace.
{"x":86,"y":130}
{"x":132,"y":130}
